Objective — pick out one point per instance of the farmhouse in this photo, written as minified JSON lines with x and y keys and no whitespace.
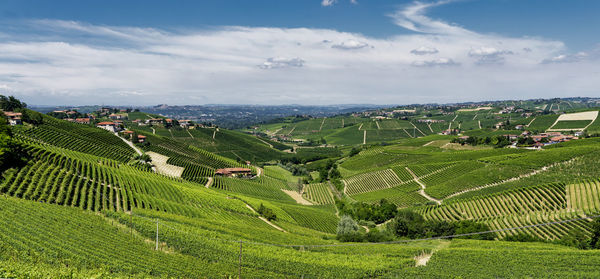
{"x":450,"y":132}
{"x":185,"y":123}
{"x":562,"y":138}
{"x":141,"y":139}
{"x":235,"y":172}
{"x":117,"y":116}
{"x":82,"y":120}
{"x":154,"y":121}
{"x":538,"y":145}
{"x":431,"y":120}
{"x":14,"y":118}
{"x":109,"y":126}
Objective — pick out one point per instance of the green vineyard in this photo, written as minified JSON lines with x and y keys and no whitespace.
{"x":318,"y":193}
{"x":527,"y":206}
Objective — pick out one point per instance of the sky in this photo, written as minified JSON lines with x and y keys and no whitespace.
{"x":310,"y":52}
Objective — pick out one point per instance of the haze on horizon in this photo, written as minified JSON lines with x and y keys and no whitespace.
{"x":315,"y":52}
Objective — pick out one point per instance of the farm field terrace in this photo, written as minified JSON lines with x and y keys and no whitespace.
{"x":84,"y":202}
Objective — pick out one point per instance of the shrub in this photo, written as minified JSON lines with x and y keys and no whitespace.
{"x":348,"y":230}
{"x":267,"y":213}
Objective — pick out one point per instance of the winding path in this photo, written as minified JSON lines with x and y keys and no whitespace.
{"x":264,"y":219}
{"x":510,"y":179}
{"x":209,"y":182}
{"x":137,"y":150}
{"x":422,"y":191}
{"x":297,"y":197}
{"x":270,"y":145}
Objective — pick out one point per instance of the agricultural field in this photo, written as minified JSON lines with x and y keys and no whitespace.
{"x":570,"y":124}
{"x":542,"y":122}
{"x":372,"y":181}
{"x":318,"y":193}
{"x":526,"y":206}
{"x":83,"y":203}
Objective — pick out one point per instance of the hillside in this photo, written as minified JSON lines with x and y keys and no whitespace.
{"x":151,"y":200}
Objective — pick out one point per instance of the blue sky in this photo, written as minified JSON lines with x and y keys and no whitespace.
{"x":306,"y":51}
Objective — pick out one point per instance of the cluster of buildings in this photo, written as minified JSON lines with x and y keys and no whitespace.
{"x":539,"y":140}
{"x":111,"y":126}
{"x":80,"y":120}
{"x":14,"y":118}
{"x":431,"y":120}
{"x":234,"y":172}
{"x":140,"y":138}
{"x":168,"y":122}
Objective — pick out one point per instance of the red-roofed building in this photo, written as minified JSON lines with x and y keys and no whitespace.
{"x":14,"y":118}
{"x":184,"y":123}
{"x":83,"y":120}
{"x":234,"y":172}
{"x":109,"y":126}
{"x":141,"y":138}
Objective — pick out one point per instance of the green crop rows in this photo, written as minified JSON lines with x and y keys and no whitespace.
{"x":318,"y":193}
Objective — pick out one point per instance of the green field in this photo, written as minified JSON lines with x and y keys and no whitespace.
{"x":571,"y":124}
{"x":77,"y":201}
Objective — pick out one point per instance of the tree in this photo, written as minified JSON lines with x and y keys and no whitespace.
{"x":407,"y":224}
{"x":11,"y":103}
{"x":595,"y":240}
{"x":469,"y":226}
{"x":32,"y":117}
{"x":266,"y":212}
{"x":12,"y":153}
{"x":299,"y":185}
{"x":348,"y":229}
{"x":576,"y":238}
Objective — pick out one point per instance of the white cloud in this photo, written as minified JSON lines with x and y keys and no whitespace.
{"x":282,"y":62}
{"x":350,"y":44}
{"x":58,"y":62}
{"x":423,"y":50}
{"x":435,"y":62}
{"x":566,"y":58}
{"x":413,"y":17}
{"x":489,"y":55}
{"x":327,"y":3}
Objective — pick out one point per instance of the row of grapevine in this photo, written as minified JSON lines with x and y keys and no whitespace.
{"x":503,"y":259}
{"x":318,"y":193}
{"x":404,"y":195}
{"x":57,"y":178}
{"x":425,"y":169}
{"x":584,"y":196}
{"x":371,"y":181}
{"x":448,"y":173}
{"x":525,"y":206}
{"x":263,"y":187}
{"x":69,"y":237}
{"x":76,"y":137}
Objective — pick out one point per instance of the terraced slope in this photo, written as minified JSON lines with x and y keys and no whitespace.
{"x":318,"y":193}
{"x":371,"y":181}
{"x":493,"y":259}
{"x":77,"y":137}
{"x":527,"y":206}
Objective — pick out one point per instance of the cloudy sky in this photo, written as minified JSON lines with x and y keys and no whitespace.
{"x":297,"y":52}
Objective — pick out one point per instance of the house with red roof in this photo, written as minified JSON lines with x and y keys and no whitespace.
{"x":109,"y":126}
{"x":14,"y":118}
